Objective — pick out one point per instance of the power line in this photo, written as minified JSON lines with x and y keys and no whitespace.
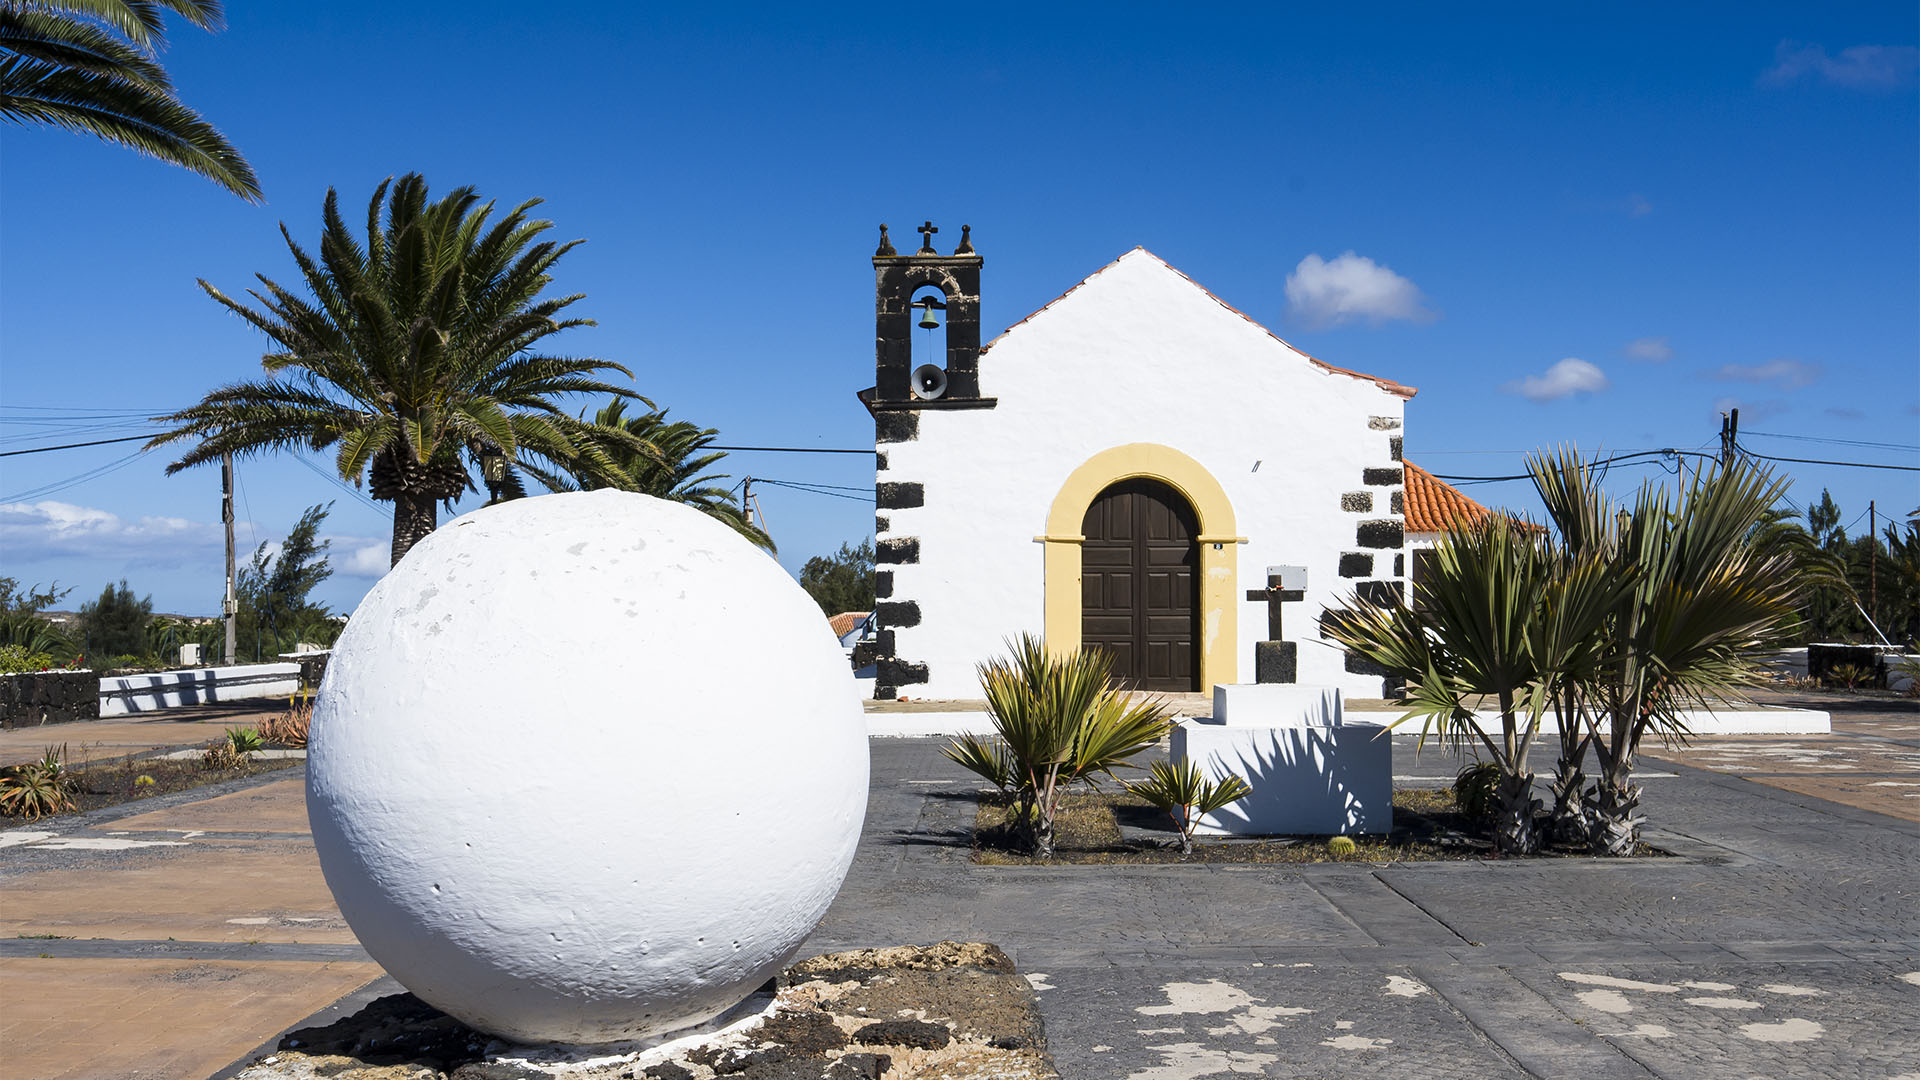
{"x":790,"y":450}
{"x":73,"y":481}
{"x":868,"y":488}
{"x":1664,"y":452}
{"x":811,"y":489}
{"x":1816,"y":461}
{"x":71,"y":446}
{"x":1837,"y":442}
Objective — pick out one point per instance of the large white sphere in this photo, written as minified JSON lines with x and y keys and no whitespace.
{"x":586,"y":768}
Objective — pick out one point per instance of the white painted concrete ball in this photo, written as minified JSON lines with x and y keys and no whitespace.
{"x":586,"y":768}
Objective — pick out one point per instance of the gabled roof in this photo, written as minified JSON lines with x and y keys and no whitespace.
{"x":1432,"y":504}
{"x":846,"y":621}
{"x":1388,"y":385}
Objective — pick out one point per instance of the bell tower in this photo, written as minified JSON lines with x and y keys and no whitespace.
{"x":914,"y":292}
{"x":903,"y":382}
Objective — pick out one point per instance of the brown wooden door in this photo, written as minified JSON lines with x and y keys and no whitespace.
{"x":1138,"y":597}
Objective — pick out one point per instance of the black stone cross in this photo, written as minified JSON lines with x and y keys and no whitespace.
{"x":1273,"y":595}
{"x":1274,"y":660}
{"x":926,"y":238}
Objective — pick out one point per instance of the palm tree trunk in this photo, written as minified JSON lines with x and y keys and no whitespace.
{"x":1513,"y":831}
{"x":1613,"y":815}
{"x":414,"y":516}
{"x":1568,"y":822}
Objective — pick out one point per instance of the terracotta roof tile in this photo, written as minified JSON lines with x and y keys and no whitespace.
{"x":1433,"y":504}
{"x":845,"y":621}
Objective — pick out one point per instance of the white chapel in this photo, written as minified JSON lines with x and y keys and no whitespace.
{"x":1118,"y":469}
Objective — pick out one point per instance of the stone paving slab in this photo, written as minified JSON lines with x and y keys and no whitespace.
{"x":277,"y":807}
{"x":135,"y":1019}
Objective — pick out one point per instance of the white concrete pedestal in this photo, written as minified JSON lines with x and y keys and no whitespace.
{"x":1313,"y":773}
{"x":1282,"y":704}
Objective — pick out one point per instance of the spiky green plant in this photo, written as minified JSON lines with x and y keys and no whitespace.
{"x":1474,"y":788}
{"x":1184,"y":794}
{"x":417,"y":350}
{"x":93,"y":66}
{"x":1057,"y":723}
{"x":244,"y":740}
{"x":1710,"y":591}
{"x":1502,"y":615}
{"x":39,"y":788}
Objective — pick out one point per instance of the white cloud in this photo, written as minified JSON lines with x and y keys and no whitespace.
{"x":1352,"y":287}
{"x":1842,"y":413}
{"x":33,"y":531}
{"x":1649,"y":350}
{"x":1860,"y":67}
{"x":354,"y":556}
{"x":1782,"y":371}
{"x":1564,"y":379}
{"x":1638,"y":206}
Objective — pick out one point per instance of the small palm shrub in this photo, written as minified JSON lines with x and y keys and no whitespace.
{"x":1057,"y":723}
{"x":1852,"y":676}
{"x":1186,"y":796}
{"x":1474,"y":789}
{"x":38,"y":788}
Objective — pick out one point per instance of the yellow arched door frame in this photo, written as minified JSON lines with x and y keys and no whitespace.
{"x":1218,"y":539}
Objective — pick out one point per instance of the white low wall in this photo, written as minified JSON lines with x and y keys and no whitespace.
{"x":124,"y":695}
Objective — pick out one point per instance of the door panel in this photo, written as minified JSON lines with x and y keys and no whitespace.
{"x":1138,"y":599}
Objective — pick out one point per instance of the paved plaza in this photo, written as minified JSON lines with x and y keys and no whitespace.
{"x":1783,"y":941}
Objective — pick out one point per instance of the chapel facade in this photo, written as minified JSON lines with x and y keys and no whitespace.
{"x":1119,"y":469}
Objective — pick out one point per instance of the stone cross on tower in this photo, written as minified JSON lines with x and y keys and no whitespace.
{"x":926,"y":238}
{"x":1275,"y":660}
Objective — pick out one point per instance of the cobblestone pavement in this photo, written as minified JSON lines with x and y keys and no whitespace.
{"x":1870,"y":761}
{"x":1783,"y":940}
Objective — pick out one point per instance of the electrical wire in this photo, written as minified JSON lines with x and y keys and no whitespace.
{"x":341,"y":484}
{"x":75,"y":481}
{"x":790,"y":450}
{"x":71,"y":446}
{"x":1836,"y":442}
{"x":1816,"y":461}
{"x":1669,"y":452}
{"x":811,"y":489}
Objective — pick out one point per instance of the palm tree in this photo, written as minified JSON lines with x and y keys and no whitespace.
{"x":90,"y":65}
{"x":1502,"y":616}
{"x":1710,"y":591}
{"x":415,"y":354}
{"x":675,"y":468}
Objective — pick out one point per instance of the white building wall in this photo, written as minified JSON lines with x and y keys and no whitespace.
{"x":1137,"y":353}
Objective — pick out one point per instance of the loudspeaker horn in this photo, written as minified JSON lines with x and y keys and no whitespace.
{"x":929,"y":382}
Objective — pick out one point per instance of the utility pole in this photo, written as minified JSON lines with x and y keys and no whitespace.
{"x":1729,"y":431}
{"x":230,"y":606}
{"x":1873,"y":565}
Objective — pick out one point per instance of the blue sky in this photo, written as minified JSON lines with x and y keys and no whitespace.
{"x":1598,"y":226}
